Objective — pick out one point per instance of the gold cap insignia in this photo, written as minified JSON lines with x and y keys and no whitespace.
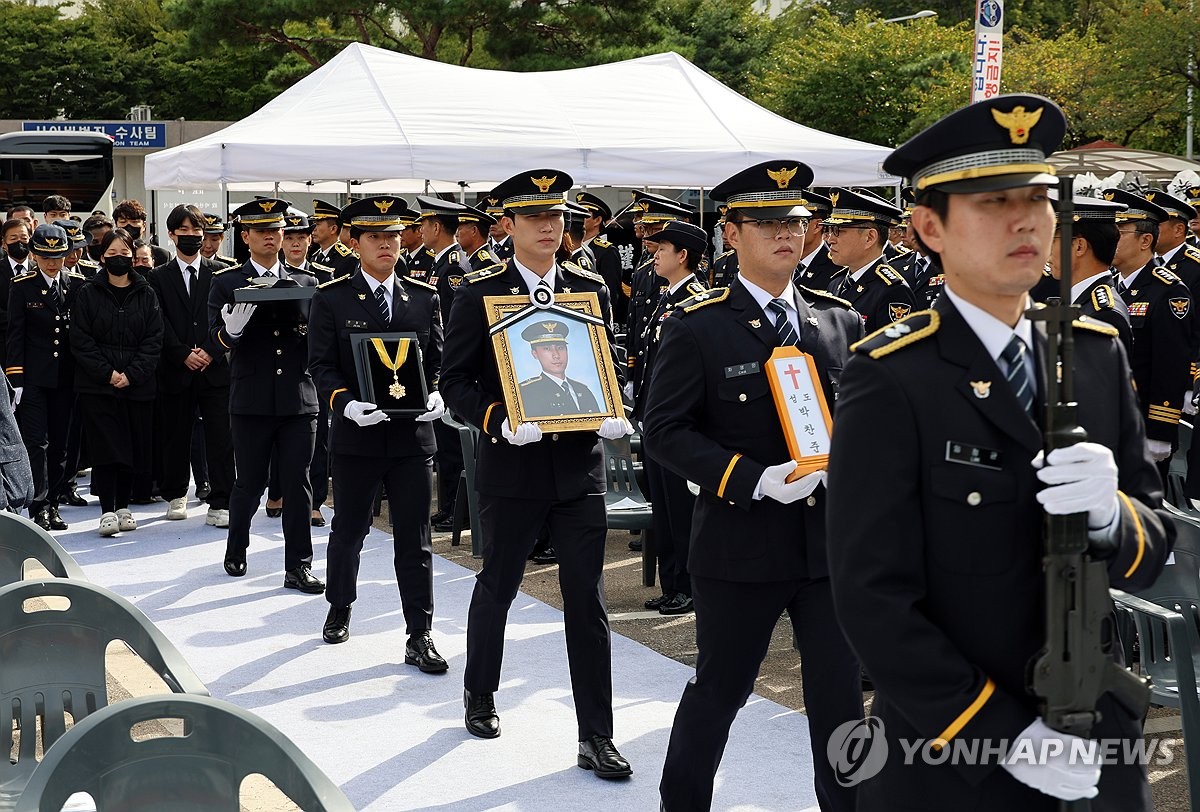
{"x":579,"y":197}
{"x":982,"y":389}
{"x":1018,"y":122}
{"x":266,"y":205}
{"x":1109,"y":195}
{"x":549,"y":326}
{"x":295,"y":221}
{"x":1150,"y":196}
{"x":543,"y":183}
{"x":833,"y":198}
{"x":782,"y":176}
{"x":383,"y":205}
{"x":493,"y":201}
{"x":52,"y":241}
{"x":644,"y":205}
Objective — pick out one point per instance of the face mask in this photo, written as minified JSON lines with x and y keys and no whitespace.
{"x":118,"y":266}
{"x":189,"y":244}
{"x":18,"y":250}
{"x":135,"y":232}
{"x":95,"y":252}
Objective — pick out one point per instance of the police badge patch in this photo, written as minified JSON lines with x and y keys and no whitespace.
{"x":1180,"y":305}
{"x":898,"y":310}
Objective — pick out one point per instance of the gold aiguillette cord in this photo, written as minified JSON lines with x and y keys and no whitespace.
{"x":394,"y":364}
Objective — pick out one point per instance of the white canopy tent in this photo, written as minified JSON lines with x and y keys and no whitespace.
{"x":372,"y":115}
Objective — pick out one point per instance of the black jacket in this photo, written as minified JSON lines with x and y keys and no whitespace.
{"x":107,"y":336}
{"x":185,"y":325}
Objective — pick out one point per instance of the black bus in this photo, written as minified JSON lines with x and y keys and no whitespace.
{"x":35,"y":165}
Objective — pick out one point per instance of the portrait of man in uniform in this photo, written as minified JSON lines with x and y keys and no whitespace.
{"x":551,"y":392}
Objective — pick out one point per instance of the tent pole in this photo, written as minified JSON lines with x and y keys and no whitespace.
{"x":224,"y":194}
{"x":462,"y":192}
{"x":701,"y":207}
{"x":347,"y":203}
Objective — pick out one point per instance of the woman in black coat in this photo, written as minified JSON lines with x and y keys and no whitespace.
{"x":116,"y":337}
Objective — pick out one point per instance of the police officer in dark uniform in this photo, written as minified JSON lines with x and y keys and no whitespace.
{"x":1095,"y":242}
{"x":525,"y":480}
{"x":74,"y":263}
{"x":272,"y":399}
{"x":500,"y":245}
{"x":369,"y":446}
{"x":1192,"y":195}
{"x":41,"y":369}
{"x":214,"y":235}
{"x":1160,"y":310}
{"x":328,"y":250}
{"x":551,"y":393}
{"x":1174,"y":252}
{"x":758,"y":542}
{"x":856,"y":232}
{"x":601,"y":252}
{"x":938,"y":576}
{"x":816,"y":270}
{"x":474,"y":226}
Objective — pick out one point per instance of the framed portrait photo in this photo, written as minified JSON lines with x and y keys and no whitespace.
{"x":803,"y":411}
{"x":390,"y":371}
{"x":554,"y":361}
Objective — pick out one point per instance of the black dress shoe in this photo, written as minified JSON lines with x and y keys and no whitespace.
{"x":635,"y":545}
{"x":317,"y":521}
{"x":545,"y":556}
{"x":440,"y":517}
{"x":56,"y":522}
{"x":481,"y":717}
{"x":444,"y":525}
{"x":274,"y":513}
{"x":654,"y":603}
{"x":419,"y":651}
{"x":235,"y":564}
{"x":73,"y":499}
{"x":203,"y":490}
{"x":337,"y":625}
{"x":679,"y":604}
{"x":600,"y":755}
{"x":302,"y":578}
{"x":41,"y":517}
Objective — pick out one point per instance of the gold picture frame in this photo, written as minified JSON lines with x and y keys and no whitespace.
{"x":538,"y":349}
{"x":803,"y":411}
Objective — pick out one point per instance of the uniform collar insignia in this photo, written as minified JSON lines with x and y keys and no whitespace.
{"x":362,"y":296}
{"x":515,"y":290}
{"x":982,"y":389}
{"x":756,"y":323}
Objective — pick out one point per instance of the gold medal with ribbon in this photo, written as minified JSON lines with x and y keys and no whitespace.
{"x":395,"y":390}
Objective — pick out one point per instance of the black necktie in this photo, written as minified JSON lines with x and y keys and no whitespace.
{"x":783,"y":325}
{"x":1016,"y":373}
{"x":20,"y":269}
{"x":381,"y":301}
{"x":56,"y":293}
{"x":268,"y":275}
{"x":566,"y":387}
{"x":191,"y":283}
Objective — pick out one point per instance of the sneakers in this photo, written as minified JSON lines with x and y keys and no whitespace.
{"x":217,"y":517}
{"x":109,"y":524}
{"x":125,"y":520}
{"x":177,"y":508}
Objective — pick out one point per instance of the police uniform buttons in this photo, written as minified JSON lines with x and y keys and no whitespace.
{"x":276,"y":332}
{"x":279,"y":352}
{"x":974,"y":498}
{"x":279,"y":372}
{"x":553,"y":436}
{"x":56,"y":330}
{"x":494,"y":440}
{"x":742,"y":397}
{"x":55,"y":355}
{"x":56,"y":342}
{"x":811,"y":501}
{"x":57,"y":318}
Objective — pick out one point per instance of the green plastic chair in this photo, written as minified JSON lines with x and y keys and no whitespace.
{"x":21,"y":540}
{"x":201,"y":770}
{"x":52,"y":665}
{"x":623,"y":484}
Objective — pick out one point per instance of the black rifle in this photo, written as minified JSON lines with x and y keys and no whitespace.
{"x":1073,"y":670}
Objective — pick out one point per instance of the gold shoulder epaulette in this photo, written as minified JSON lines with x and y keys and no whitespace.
{"x":430,"y":252}
{"x":600,"y":242}
{"x":484,"y":273}
{"x":321,"y":266}
{"x":703,"y":298}
{"x":220,"y":271}
{"x":76,"y":274}
{"x":824,"y":294}
{"x":1192,"y":252}
{"x":332,"y":282}
{"x":408,"y":280}
{"x":528,"y":381}
{"x":1165,"y":276}
{"x":24,"y":276}
{"x":724,"y":254}
{"x":888,"y":274}
{"x":1103,"y":298}
{"x":455,"y":257}
{"x":1085,"y":323}
{"x":579,"y":270}
{"x":291,"y":269}
{"x":900,"y":334}
{"x":695,"y":287}
{"x":223,"y":258}
{"x":483,"y":255}
{"x":342,"y":249}
{"x":583,"y":262}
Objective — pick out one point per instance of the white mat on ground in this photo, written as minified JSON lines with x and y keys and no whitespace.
{"x":392,"y":737}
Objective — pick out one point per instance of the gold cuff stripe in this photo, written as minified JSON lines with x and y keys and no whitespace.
{"x":1172,"y":420}
{"x":725,"y":479}
{"x":487,"y":415}
{"x":983,"y":172}
{"x":1164,"y":409}
{"x":966,"y":716}
{"x":1141,"y":533}
{"x":334,"y":394}
{"x":13,"y":370}
{"x":223,"y":344}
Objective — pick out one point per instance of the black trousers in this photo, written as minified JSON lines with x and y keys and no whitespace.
{"x":177,"y":417}
{"x":44,"y":418}
{"x":199,"y":455}
{"x":318,"y":477}
{"x":253,"y":437}
{"x":673,"y":503}
{"x":509,"y":528}
{"x":409,"y":482}
{"x":74,"y":446}
{"x":734,"y":622}
{"x":449,"y":464}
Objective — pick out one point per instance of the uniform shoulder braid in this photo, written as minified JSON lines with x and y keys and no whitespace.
{"x":333,"y":282}
{"x":888,"y":274}
{"x":1095,"y":326}
{"x":826,"y":295}
{"x":24,"y":276}
{"x":343,"y":249}
{"x":408,"y":280}
{"x":484,"y":273}
{"x":1103,"y":298}
{"x":578,"y":270}
{"x":1165,"y":276}
{"x":899,"y":334}
{"x":1191,"y":252}
{"x":600,"y":242}
{"x":703,"y":299}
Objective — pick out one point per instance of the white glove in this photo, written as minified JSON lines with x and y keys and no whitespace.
{"x":628,"y":390}
{"x":237,"y":316}
{"x":363,"y":413}
{"x":693,"y":488}
{"x":1158,"y":450}
{"x":16,"y":398}
{"x":1189,"y":405}
{"x":1058,"y":764}
{"x":614,"y":427}
{"x":436,"y":408}
{"x":1082,"y":478}
{"x":525,"y":433}
{"x":772,"y":483}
